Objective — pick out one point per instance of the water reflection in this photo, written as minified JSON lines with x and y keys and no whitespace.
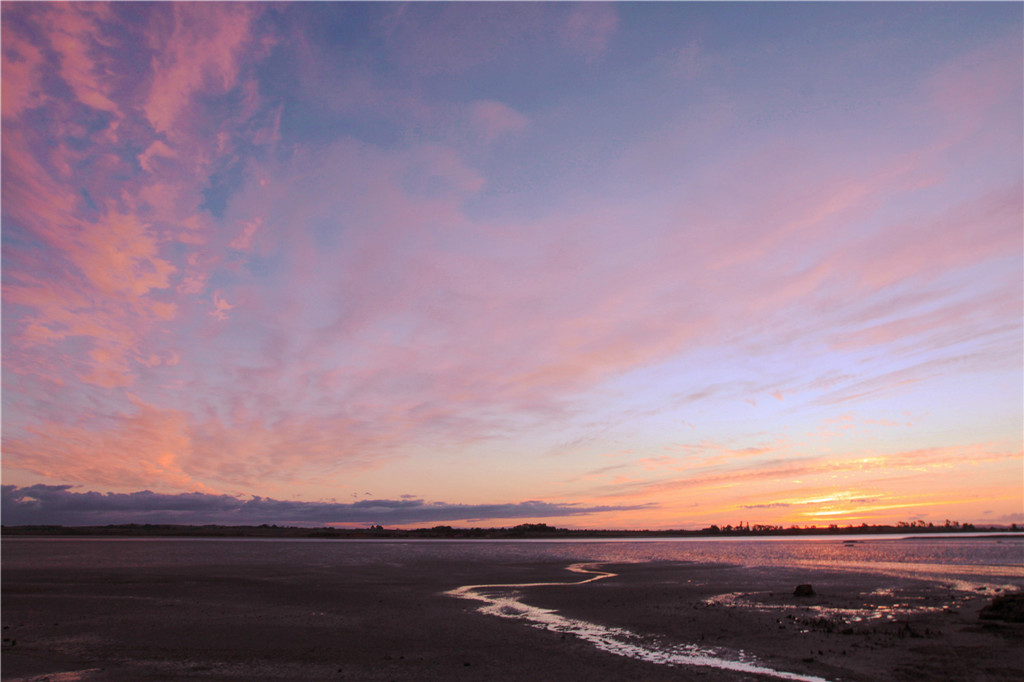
{"x":503,"y":601}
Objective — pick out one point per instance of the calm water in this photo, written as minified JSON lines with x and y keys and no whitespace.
{"x":976,"y":558}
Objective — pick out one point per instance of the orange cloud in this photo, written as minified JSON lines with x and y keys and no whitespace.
{"x":104,"y":294}
{"x":119,"y":256}
{"x":143,"y":449}
{"x":782,"y":469}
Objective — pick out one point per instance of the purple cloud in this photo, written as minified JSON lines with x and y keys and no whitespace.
{"x":58,"y":504}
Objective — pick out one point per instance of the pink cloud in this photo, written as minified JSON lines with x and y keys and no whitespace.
{"x":935,"y":325}
{"x":590,"y":27}
{"x":156,"y":151}
{"x":424,"y":272}
{"x":22,"y":65}
{"x":72,"y":35}
{"x":112,"y":268}
{"x":112,"y":282}
{"x":243,"y":242}
{"x":220,"y":307}
{"x":359,"y":302}
{"x":425,"y":269}
{"x":60,"y":306}
{"x":199,"y":52}
{"x":120,"y":256}
{"x":435,"y":168}
{"x":966,"y":234}
{"x":494,"y":119}
{"x":386,"y":271}
{"x":966,"y":90}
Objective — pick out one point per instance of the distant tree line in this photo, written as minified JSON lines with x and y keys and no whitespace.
{"x":525,"y":530}
{"x":917,"y":526}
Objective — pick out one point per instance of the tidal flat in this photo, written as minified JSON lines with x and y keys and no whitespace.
{"x":167,"y":609}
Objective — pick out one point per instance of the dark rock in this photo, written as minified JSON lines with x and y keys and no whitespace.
{"x":803,"y":591}
{"x":1006,"y":607}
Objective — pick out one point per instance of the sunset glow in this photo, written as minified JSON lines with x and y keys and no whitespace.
{"x":642,"y":265}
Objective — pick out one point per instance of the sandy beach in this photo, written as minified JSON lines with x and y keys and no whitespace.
{"x":275,"y":621}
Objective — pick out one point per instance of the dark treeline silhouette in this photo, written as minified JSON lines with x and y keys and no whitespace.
{"x":525,"y":530}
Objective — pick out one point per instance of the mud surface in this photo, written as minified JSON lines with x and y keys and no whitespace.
{"x":395,"y":622}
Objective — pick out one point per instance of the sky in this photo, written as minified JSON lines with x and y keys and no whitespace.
{"x":594,"y":265}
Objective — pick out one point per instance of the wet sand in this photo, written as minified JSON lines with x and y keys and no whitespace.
{"x":395,"y":622}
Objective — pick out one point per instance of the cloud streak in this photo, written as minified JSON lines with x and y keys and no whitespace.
{"x":285,"y":249}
